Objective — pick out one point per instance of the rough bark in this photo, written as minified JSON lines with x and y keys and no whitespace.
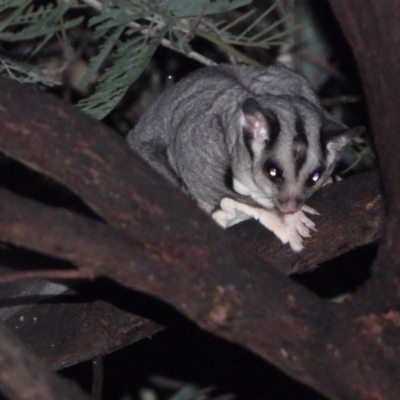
{"x":72,"y":316}
{"x":351,"y":214}
{"x":74,"y":328}
{"x":97,"y":165}
{"x":372,"y":29}
{"x":157,"y":243}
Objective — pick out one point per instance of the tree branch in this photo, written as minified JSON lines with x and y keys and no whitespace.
{"x":157,"y":242}
{"x":61,"y":144}
{"x":42,"y":274}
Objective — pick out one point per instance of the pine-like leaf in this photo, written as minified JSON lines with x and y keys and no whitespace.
{"x":7,"y":4}
{"x":24,"y":72}
{"x":255,"y":34}
{"x":130,"y":60}
{"x":31,"y":32}
{"x":112,"y":18}
{"x":97,"y":61}
{"x":37,"y":21}
{"x":192,"y":8}
{"x":15,"y":10}
{"x":125,"y":31}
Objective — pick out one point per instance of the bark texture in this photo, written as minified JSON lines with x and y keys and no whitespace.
{"x":152,"y":239}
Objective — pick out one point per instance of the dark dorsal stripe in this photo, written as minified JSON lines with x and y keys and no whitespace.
{"x":322,"y":142}
{"x":228,"y":178}
{"x":300,"y":145}
{"x":248,"y":138}
{"x":274,"y":127}
{"x":301,"y":136}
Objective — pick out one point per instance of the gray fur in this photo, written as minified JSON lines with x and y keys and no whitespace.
{"x":203,"y":129}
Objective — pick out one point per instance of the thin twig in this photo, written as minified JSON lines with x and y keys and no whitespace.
{"x":337,"y":100}
{"x":198,"y":393}
{"x":98,"y":377}
{"x":8,"y":70}
{"x":226,"y":47}
{"x":190,"y":54}
{"x":192,"y":29}
{"x":45,"y":274}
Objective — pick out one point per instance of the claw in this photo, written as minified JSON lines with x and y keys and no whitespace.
{"x":309,"y":210}
{"x":298,"y":227}
{"x":308,"y":223}
{"x":289,"y":228}
{"x":296,"y":247}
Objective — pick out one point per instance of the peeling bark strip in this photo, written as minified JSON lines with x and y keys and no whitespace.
{"x":77,"y":329}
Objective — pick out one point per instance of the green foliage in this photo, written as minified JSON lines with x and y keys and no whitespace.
{"x":126,"y":34}
{"x":130,"y":59}
{"x":23,"y":72}
{"x":253,"y":35}
{"x":25,"y":21}
{"x":194,"y":8}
